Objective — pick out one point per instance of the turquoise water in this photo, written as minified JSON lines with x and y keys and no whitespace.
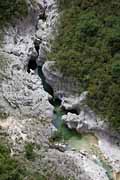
{"x":57,"y":120}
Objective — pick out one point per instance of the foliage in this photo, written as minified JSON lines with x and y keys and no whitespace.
{"x":10,"y":169}
{"x":29,"y":151}
{"x":12,"y":8}
{"x":87,"y":47}
{"x":116,"y":67}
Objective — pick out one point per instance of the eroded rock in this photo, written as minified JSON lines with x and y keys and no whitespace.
{"x":75,"y":165}
{"x":22,"y":92}
{"x":87,"y":122}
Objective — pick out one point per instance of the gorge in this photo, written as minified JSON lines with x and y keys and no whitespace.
{"x":39,"y":105}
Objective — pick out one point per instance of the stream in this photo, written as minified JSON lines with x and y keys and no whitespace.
{"x":79,"y":142}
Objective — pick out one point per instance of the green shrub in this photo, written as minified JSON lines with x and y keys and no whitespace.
{"x":116,"y":67}
{"x":10,"y":169}
{"x":29,"y":151}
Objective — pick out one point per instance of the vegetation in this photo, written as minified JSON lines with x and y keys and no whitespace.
{"x":12,"y":8}
{"x":29,"y":151}
{"x":87,"y":47}
{"x":10,"y":169}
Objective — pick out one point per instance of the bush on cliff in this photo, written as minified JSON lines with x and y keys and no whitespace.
{"x":87,"y":47}
{"x":10,"y":169}
{"x":29,"y":151}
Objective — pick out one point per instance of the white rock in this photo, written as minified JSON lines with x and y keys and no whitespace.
{"x":22,"y":93}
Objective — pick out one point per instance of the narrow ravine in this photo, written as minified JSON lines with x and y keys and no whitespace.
{"x":86,"y":143}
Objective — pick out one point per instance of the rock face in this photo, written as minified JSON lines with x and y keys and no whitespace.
{"x":22,"y":93}
{"x":62,"y":86}
{"x":26,"y":130}
{"x":25,"y":95}
{"x":53,"y":78}
{"x":75,"y":165}
{"x":45,"y":30}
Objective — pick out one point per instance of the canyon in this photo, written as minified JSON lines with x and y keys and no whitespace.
{"x":34,"y":94}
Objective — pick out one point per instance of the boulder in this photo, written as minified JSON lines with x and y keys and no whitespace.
{"x":74,"y":103}
{"x":84,"y":122}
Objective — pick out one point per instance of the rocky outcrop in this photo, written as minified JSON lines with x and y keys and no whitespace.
{"x":62,"y":86}
{"x":46,"y":30}
{"x":22,"y":93}
{"x":76,"y":165}
{"x":109,"y":144}
{"x":86,"y":121}
{"x":74,"y":102}
{"x":26,"y":130}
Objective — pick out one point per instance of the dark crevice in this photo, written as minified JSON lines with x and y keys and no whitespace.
{"x":42,"y":14}
{"x":31,"y":65}
{"x":46,"y":86}
{"x":37,"y":45}
{"x":55,"y":101}
{"x":73,"y":111}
